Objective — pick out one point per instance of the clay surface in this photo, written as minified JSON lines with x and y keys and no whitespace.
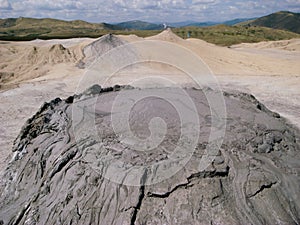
{"x":70,"y":166}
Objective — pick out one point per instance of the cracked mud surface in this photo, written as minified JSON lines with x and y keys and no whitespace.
{"x":63,"y":172}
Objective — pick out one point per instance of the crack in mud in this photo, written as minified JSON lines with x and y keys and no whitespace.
{"x":258,"y":157}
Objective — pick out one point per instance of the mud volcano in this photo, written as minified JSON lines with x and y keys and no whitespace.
{"x":74,"y":164}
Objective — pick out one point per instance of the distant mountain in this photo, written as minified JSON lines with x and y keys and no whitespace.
{"x":140,"y":25}
{"x":237,"y":21}
{"x":203,"y":24}
{"x":207,"y":23}
{"x":181,"y":24}
{"x":283,"y":20}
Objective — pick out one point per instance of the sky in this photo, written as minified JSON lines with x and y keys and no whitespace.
{"x":112,"y":11}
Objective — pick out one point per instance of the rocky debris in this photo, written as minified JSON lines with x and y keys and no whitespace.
{"x":5,"y":76}
{"x":65,"y":172}
{"x":94,"y":90}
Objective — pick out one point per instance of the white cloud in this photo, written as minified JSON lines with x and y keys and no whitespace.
{"x":294,"y":1}
{"x":204,"y":1}
{"x":5,"y":5}
{"x":159,"y":10}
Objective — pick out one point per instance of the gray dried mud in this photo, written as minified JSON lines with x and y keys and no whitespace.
{"x":61,"y":173}
{"x":98,"y":48}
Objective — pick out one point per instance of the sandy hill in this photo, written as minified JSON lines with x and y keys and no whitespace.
{"x":166,"y":35}
{"x":229,"y":61}
{"x":99,"y":47}
{"x":289,"y":45}
{"x":23,"y":62}
{"x":223,"y":60}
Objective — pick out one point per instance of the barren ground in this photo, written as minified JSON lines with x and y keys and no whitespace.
{"x":270,"y":71}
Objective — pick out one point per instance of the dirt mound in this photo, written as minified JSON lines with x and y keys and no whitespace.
{"x":166,"y":35}
{"x":52,"y":55}
{"x":28,"y":62}
{"x":99,"y":47}
{"x":64,"y":172}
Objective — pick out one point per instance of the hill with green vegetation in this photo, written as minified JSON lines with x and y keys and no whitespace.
{"x":25,"y":29}
{"x":30,"y":28}
{"x":283,"y":20}
{"x":229,"y":35}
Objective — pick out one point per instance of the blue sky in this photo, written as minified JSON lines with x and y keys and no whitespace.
{"x":147,"y":10}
